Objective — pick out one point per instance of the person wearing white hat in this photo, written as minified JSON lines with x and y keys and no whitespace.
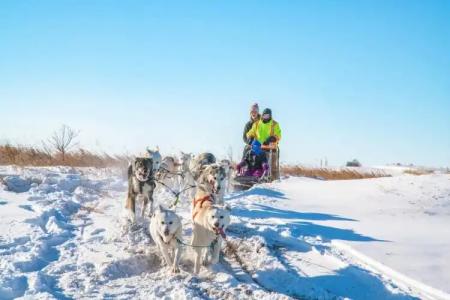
{"x":254,"y":117}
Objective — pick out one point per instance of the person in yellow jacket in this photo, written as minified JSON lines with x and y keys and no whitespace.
{"x":267,"y":131}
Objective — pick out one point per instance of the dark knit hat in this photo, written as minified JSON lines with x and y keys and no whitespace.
{"x":267,"y":111}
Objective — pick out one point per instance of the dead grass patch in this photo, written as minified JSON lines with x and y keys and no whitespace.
{"x":33,"y":156}
{"x":418,"y":172}
{"x":331,"y":173}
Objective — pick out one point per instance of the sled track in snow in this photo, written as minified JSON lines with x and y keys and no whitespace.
{"x":276,"y":248}
{"x":232,"y":254}
{"x":235,"y":252}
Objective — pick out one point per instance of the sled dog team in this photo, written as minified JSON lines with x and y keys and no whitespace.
{"x":210,"y":216}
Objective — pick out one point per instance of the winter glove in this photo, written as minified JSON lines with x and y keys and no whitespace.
{"x":270,"y":139}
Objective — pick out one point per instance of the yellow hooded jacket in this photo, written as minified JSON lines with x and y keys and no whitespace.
{"x":261,"y":131}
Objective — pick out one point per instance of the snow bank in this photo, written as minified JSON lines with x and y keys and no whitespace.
{"x":66,"y":237}
{"x":17,"y":184}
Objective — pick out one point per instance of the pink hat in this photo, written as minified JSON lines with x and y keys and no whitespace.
{"x":254,"y":107}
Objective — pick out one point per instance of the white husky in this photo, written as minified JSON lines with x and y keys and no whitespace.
{"x":165,"y":229}
{"x":210,"y":222}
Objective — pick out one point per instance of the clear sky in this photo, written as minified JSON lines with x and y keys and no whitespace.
{"x":345,"y":79}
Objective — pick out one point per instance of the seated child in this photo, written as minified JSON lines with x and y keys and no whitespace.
{"x":254,"y":163}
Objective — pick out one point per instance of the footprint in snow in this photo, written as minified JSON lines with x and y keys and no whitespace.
{"x":27,"y":207}
{"x":97,"y":231}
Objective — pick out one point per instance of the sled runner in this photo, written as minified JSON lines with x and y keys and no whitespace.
{"x":243,"y":182}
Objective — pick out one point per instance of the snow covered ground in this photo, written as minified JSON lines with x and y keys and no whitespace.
{"x":63,"y":235}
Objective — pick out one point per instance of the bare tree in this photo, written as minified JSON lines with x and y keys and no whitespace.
{"x":63,"y":140}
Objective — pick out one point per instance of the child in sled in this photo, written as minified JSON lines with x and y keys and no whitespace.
{"x":254,"y":163}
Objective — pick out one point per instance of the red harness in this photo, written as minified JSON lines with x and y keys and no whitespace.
{"x":201,"y":200}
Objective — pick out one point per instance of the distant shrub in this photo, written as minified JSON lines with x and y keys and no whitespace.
{"x":353,"y":163}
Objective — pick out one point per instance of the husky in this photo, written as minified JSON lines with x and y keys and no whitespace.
{"x":196,"y":167}
{"x":186,"y":179}
{"x":185,"y":160}
{"x":228,"y":167}
{"x":211,"y":182}
{"x":210,"y":222}
{"x":167,"y":172}
{"x":156,"y":158}
{"x":199,"y":162}
{"x":165,"y":229}
{"x":140,"y":183}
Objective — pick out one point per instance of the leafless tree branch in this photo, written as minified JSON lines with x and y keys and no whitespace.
{"x":63,"y":140}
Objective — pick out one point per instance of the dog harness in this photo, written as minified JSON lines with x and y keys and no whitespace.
{"x":201,"y":200}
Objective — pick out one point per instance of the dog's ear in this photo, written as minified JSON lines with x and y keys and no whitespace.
{"x":160,"y":208}
{"x":227,"y":207}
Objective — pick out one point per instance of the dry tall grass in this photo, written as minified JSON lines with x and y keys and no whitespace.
{"x":332,"y":173}
{"x":33,"y":156}
{"x":418,"y":171}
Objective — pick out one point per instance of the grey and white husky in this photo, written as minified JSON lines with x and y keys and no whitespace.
{"x":211,"y":182}
{"x":165,"y":229}
{"x":156,"y":158}
{"x":196,"y":167}
{"x":185,"y":160}
{"x":199,"y":162}
{"x":228,"y":167}
{"x":167,"y":174}
{"x":140,"y":185}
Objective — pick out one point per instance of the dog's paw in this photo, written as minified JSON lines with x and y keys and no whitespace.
{"x":175,"y":270}
{"x":206,"y":262}
{"x":133,"y":227}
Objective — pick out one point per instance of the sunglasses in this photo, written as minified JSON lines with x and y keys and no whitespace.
{"x":266,"y":116}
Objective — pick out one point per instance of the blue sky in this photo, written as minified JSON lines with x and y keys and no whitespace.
{"x":345,"y":79}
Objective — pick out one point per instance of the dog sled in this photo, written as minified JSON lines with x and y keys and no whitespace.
{"x":247,"y":176}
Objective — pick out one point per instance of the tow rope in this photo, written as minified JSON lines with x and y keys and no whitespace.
{"x":213,"y":243}
{"x":176,"y":194}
